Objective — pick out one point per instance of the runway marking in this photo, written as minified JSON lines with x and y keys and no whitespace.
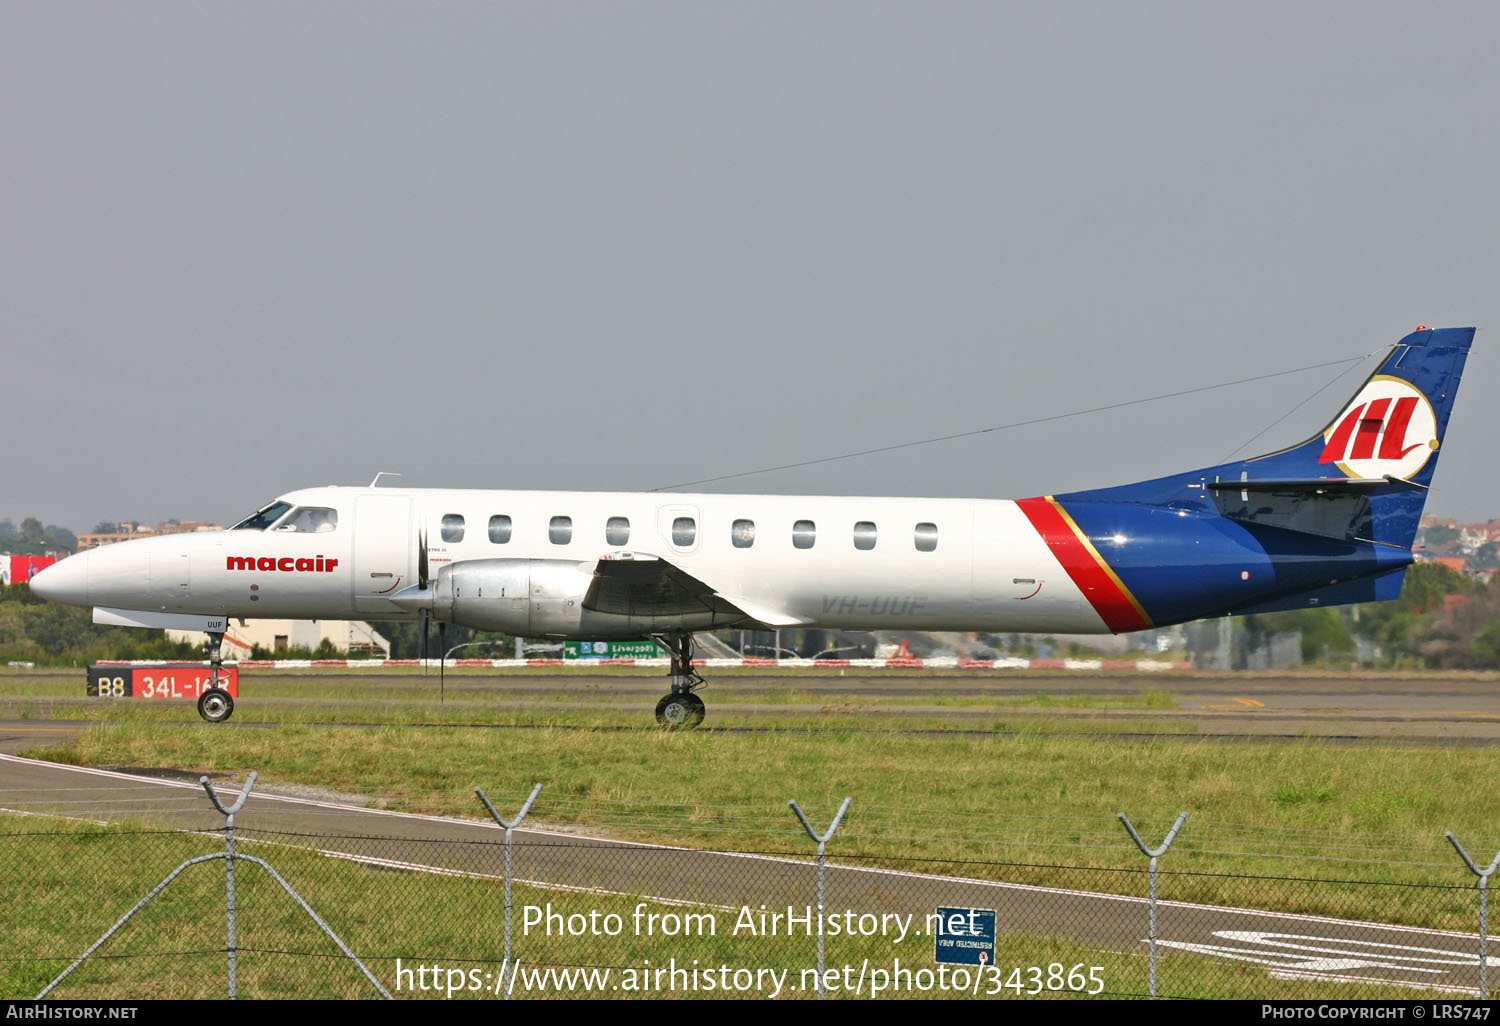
{"x":1244,"y":703}
{"x":1322,"y":962}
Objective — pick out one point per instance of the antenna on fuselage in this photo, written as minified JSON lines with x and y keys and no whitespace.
{"x":383,"y":473}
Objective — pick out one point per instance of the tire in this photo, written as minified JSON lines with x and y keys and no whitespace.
{"x":216,"y":705}
{"x":682,"y":711}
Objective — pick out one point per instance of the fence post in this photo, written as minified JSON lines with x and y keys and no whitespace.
{"x":821,"y":840}
{"x":229,"y":858}
{"x":1484,"y":909}
{"x":229,"y":927}
{"x":506,"y":965}
{"x":1154,"y":854}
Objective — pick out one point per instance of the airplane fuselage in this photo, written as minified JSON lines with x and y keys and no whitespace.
{"x":1331,"y":520}
{"x":857,"y":563}
{"x":817,"y":561}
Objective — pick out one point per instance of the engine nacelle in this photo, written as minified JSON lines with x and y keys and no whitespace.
{"x":538,"y":598}
{"x":525,"y":597}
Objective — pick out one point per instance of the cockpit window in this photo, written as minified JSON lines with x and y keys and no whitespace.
{"x":263,"y":518}
{"x":311,"y":520}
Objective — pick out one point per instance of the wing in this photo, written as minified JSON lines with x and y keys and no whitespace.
{"x":640,"y":585}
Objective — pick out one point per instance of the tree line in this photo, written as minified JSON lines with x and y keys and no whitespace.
{"x":1442,"y":621}
{"x":33,"y":538}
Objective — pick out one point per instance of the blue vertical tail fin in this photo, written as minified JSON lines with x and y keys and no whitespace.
{"x":1330,"y":520}
{"x":1363,"y":477}
{"x":1394,"y":425}
{"x":1383,"y":445}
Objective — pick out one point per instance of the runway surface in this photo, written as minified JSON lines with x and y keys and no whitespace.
{"x":1455,"y":709}
{"x":1293,"y":946}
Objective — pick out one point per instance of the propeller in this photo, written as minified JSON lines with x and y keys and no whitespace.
{"x":420,"y":597}
{"x":442,"y":658}
{"x":423,"y":617}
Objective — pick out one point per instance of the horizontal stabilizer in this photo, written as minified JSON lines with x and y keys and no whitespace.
{"x":1326,"y":508}
{"x":1321,"y":486}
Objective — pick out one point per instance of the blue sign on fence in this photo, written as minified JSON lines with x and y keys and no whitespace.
{"x":964,"y":936}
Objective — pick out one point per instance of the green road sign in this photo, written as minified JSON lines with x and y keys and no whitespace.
{"x":611,"y":650}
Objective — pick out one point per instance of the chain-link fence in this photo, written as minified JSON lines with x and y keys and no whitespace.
{"x":421,"y":911}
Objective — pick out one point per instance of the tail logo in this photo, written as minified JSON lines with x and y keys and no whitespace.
{"x":1389,"y":428}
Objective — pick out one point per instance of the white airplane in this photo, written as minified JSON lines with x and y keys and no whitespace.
{"x":1329,"y":521}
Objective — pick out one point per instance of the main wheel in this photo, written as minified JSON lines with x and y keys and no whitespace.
{"x":680,"y":711}
{"x":215,"y":705}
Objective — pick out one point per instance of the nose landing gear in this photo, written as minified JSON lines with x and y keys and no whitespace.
{"x":681,"y":710}
{"x":215,"y":704}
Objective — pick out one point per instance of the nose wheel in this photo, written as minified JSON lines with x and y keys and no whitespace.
{"x":681,"y":710}
{"x":216,"y":704}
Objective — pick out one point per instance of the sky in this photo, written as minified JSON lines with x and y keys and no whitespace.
{"x":256,"y":247}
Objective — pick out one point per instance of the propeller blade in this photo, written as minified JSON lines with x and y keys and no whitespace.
{"x":423,"y":625}
{"x":442,"y":657}
{"x":422,"y":576}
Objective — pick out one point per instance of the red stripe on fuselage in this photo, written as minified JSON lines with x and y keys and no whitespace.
{"x":1106,"y":593}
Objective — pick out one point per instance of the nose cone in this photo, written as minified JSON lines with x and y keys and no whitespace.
{"x":413,"y":599}
{"x":67,"y":580}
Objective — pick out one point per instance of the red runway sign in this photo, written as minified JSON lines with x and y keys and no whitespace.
{"x":169,"y":680}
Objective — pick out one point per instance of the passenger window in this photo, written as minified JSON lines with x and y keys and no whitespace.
{"x":684,"y":532}
{"x":804,"y":533}
{"x":864,"y":535}
{"x":617,"y":531}
{"x":453,"y":527}
{"x":560,"y":530}
{"x":499,"y":529}
{"x":926,"y":537}
{"x":742,"y":534}
{"x":311,"y":520}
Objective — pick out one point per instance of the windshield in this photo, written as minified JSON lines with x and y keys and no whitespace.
{"x":263,"y":518}
{"x":311,"y":520}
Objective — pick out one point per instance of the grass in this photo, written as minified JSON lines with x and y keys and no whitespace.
{"x":1288,"y":810}
{"x":65,"y":883}
{"x":1298,"y":826}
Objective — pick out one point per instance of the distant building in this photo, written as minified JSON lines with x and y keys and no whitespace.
{"x":356,"y":637}
{"x":130,"y":529}
{"x":1469,"y":549}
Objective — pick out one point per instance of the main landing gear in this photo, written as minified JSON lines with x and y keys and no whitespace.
{"x":216,"y":704}
{"x":681,"y":709}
